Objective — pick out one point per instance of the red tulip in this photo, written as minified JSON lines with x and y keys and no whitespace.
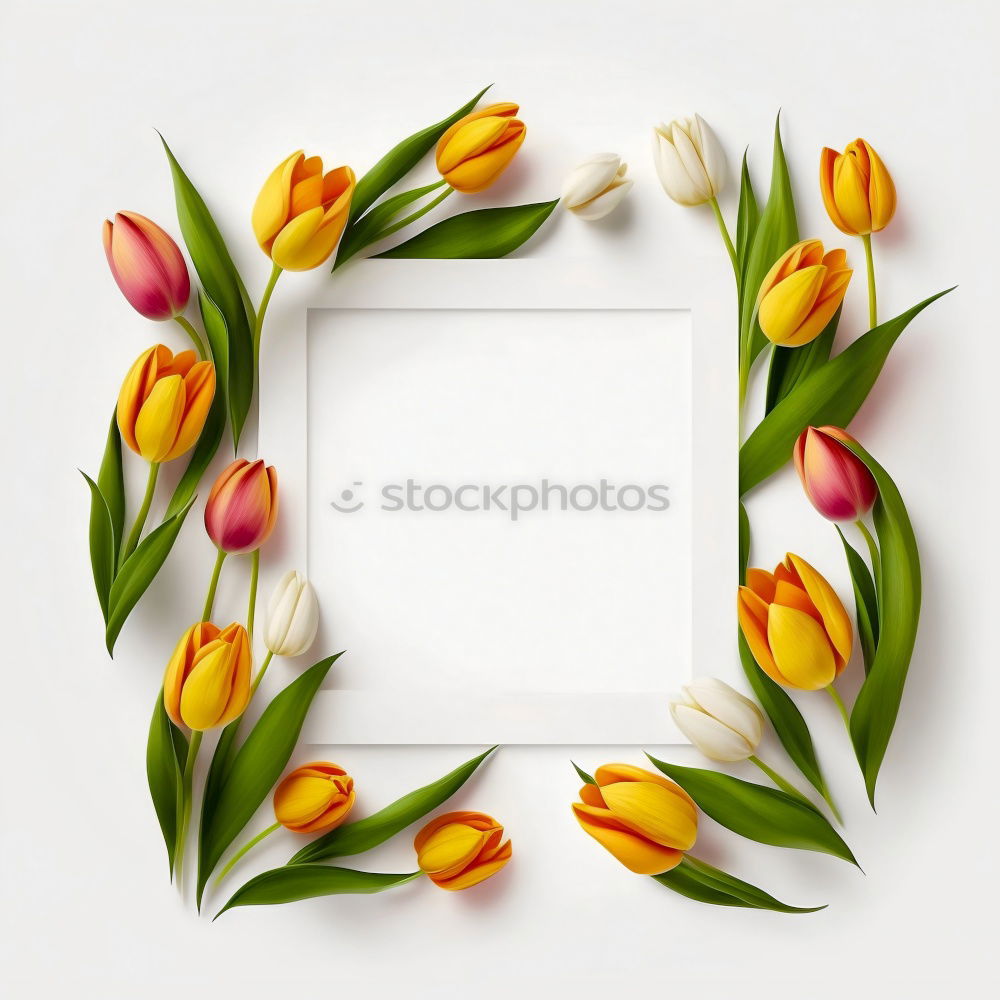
{"x":837,"y":483}
{"x":242,"y":507}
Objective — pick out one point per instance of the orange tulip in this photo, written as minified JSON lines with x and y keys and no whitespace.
{"x":476,"y":150}
{"x":858,"y":191}
{"x":242,"y":506}
{"x":314,"y":798}
{"x":461,"y":849}
{"x":645,"y":820}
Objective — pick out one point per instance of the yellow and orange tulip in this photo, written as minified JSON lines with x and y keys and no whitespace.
{"x":164,"y":402}
{"x":461,"y":849}
{"x":795,"y":625}
{"x":207,"y":681}
{"x":858,"y":191}
{"x":314,"y":798}
{"x":645,"y":820}
{"x":801,"y":292}
{"x":476,"y":150}
{"x":300,"y":213}
{"x":242,"y":506}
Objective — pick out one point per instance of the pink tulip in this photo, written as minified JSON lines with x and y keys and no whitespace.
{"x":148,"y":266}
{"x":242,"y":506}
{"x":837,"y":483}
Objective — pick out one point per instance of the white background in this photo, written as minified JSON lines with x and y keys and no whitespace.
{"x":87,"y":908}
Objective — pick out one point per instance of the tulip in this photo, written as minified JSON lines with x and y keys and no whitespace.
{"x":478,"y":148}
{"x":719,"y":721}
{"x":242,"y":506}
{"x":596,"y":187}
{"x":292,"y":616}
{"x":801,"y":292}
{"x":858,"y":191}
{"x":795,"y":625}
{"x":838,"y":484}
{"x":314,"y":798}
{"x":163,"y":403}
{"x":147,"y":265}
{"x":207,"y":681}
{"x":300,"y":213}
{"x":689,"y":160}
{"x":461,"y":849}
{"x":646,"y":821}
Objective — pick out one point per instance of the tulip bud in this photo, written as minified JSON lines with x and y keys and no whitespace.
{"x":795,"y":625}
{"x":164,"y":402}
{"x":858,"y":191}
{"x":838,"y":484}
{"x":689,"y":160}
{"x":300,"y":214}
{"x":292,"y":616}
{"x":801,"y":293}
{"x":719,"y":721}
{"x":314,"y":798}
{"x":478,"y":148}
{"x":147,"y":265}
{"x":207,"y":682}
{"x":242,"y":506}
{"x":461,"y":849}
{"x":646,"y":821}
{"x":596,"y":187}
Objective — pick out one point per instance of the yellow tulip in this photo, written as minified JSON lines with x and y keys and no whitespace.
{"x":801,"y":293}
{"x":795,"y":625}
{"x":314,"y":798}
{"x":646,"y":821}
{"x":163,"y":403}
{"x":476,"y":150}
{"x":461,"y":849}
{"x":858,"y":191}
{"x":300,"y":213}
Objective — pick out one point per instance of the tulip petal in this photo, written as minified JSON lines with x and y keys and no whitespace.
{"x":788,"y":304}
{"x":670,"y":169}
{"x":271,"y":210}
{"x":801,"y":649}
{"x":731,"y":708}
{"x":881,"y":191}
{"x":592,"y":177}
{"x":653,"y":811}
{"x":479,"y":871}
{"x":753,"y":615}
{"x":762,"y":584}
{"x":299,"y":799}
{"x":709,"y":735}
{"x":473,"y":138}
{"x":836,"y":621}
{"x":199,"y":391}
{"x":691,"y":160}
{"x":636,"y":853}
{"x":712,"y":154}
{"x":160,"y":419}
{"x":479,"y":172}
{"x":501,"y":110}
{"x":450,"y":849}
{"x":850,"y":188}
{"x":605,"y":203}
{"x":827,"y":163}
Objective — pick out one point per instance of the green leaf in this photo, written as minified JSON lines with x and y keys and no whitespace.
{"x":102,"y":545}
{"x":401,"y":159}
{"x":790,"y":365}
{"x":257,"y":766}
{"x":587,"y":779}
{"x":166,"y":752}
{"x":706,"y":884}
{"x":830,"y":395}
{"x":364,"y":834}
{"x":138,"y":572}
{"x":218,"y":772}
{"x":744,"y":531}
{"x":111,"y":483}
{"x":201,"y":457}
{"x":757,"y":812}
{"x":223,"y":285}
{"x":747,"y":220}
{"x":874,"y":714}
{"x":486,"y":232}
{"x":865,"y":601}
{"x":290,"y":884}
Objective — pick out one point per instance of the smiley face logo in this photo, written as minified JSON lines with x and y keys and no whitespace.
{"x":347,"y":497}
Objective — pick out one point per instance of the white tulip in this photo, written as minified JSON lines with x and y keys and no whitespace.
{"x":596,"y":187}
{"x":689,"y":160}
{"x":719,"y":721}
{"x":292,"y":616}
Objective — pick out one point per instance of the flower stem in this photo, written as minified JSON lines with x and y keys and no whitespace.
{"x":396,"y":226}
{"x":213,"y":584}
{"x":249,"y":845}
{"x":838,"y":701}
{"x":872,"y":546}
{"x":140,"y":519}
{"x":725,"y":236}
{"x":199,"y":344}
{"x":187,"y":782}
{"x":782,"y":783}
{"x":872,"y":303}
{"x":260,"y":673}
{"x":252,"y":604}
{"x":258,"y":326}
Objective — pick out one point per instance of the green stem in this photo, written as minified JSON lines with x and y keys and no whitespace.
{"x":838,"y":701}
{"x":193,"y":334}
{"x":249,"y":845}
{"x":252,"y":605}
{"x":206,"y":614}
{"x":872,"y":546}
{"x":725,"y":236}
{"x":260,"y":673}
{"x":872,"y":303}
{"x":258,"y":325}
{"x":396,"y":226}
{"x":187,"y":782}
{"x":782,"y":783}
{"x":140,"y":519}
{"x":828,"y":799}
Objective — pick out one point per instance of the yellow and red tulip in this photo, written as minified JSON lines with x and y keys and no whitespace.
{"x":300,"y":213}
{"x":461,"y":849}
{"x":147,"y":265}
{"x":314,"y":798}
{"x":242,"y":506}
{"x":801,"y":292}
{"x":858,"y":191}
{"x":795,"y":625}
{"x":207,"y":681}
{"x":645,"y":820}
{"x":837,"y":483}
{"x":164,"y":401}
{"x":476,"y":150}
